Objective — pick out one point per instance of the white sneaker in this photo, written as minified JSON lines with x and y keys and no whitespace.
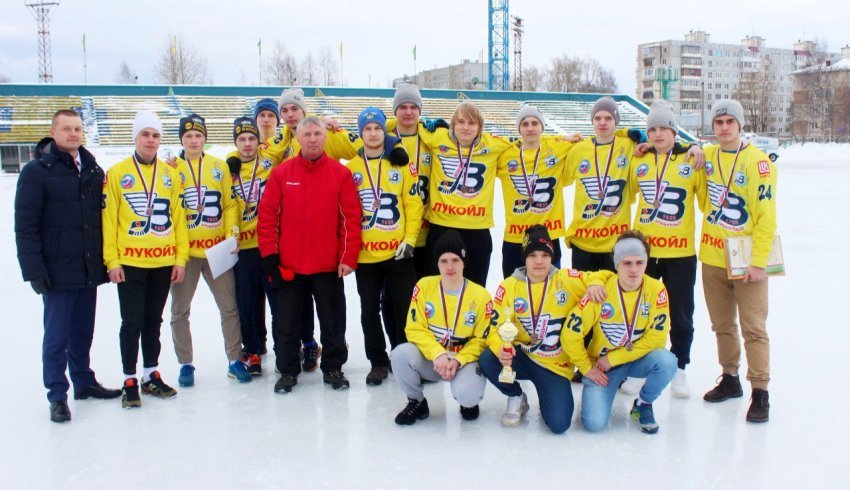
{"x":517,"y":406}
{"x":632,"y":386}
{"x":679,"y":387}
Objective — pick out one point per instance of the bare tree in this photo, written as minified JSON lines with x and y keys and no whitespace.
{"x":126,"y":75}
{"x":756,"y":91}
{"x":573,"y":74}
{"x":812,"y":106}
{"x":180,"y":64}
{"x":309,"y":71}
{"x":328,"y":68}
{"x":532,"y":78}
{"x":282,"y":68}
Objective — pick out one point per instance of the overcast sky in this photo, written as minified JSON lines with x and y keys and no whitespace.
{"x":379,"y":35}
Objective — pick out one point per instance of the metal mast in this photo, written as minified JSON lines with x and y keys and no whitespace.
{"x":518,"y":29}
{"x":41,"y":11}
{"x":499,"y":78}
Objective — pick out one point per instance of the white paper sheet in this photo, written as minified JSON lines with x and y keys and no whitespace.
{"x":220,"y":258}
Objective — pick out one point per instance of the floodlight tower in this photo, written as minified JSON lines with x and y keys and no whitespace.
{"x":518,"y":28}
{"x":41,"y":11}
{"x":499,"y":78}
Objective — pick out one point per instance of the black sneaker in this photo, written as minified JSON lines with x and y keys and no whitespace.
{"x":130,"y":394}
{"x":59,"y":412}
{"x":336,"y":379}
{"x":310,"y":357}
{"x":728,"y":387}
{"x":469,"y":413}
{"x":96,"y":391}
{"x":157,"y":387}
{"x":377,"y":375}
{"x":415,"y":410}
{"x":759,"y":407}
{"x":254,"y":363}
{"x":285,"y":383}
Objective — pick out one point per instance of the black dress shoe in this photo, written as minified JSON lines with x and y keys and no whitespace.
{"x":59,"y":411}
{"x":96,"y":391}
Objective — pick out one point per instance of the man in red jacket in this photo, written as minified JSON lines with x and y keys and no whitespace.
{"x":309,"y":238}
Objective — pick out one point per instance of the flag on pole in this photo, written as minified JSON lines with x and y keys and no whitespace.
{"x":84,"y":41}
{"x":340,"y":50}
{"x":414,"y":52}
{"x":174,"y":46}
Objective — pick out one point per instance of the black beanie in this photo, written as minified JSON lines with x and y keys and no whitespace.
{"x":245,"y":125}
{"x":537,"y":238}
{"x":192,"y":122}
{"x":450,"y":242}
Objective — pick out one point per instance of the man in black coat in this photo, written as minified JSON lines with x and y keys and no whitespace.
{"x":60,"y":249}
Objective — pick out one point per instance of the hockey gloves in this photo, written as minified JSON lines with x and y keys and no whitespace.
{"x":432,"y":124}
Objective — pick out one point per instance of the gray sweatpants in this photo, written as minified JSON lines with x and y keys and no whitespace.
{"x":410,"y":367}
{"x":224,"y":292}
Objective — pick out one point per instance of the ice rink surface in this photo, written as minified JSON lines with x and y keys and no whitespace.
{"x":220,"y":434}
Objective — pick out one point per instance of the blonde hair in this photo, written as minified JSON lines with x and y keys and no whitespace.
{"x":468,"y":110}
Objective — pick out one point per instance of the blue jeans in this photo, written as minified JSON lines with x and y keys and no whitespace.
{"x":658,"y":367}
{"x":553,"y":390}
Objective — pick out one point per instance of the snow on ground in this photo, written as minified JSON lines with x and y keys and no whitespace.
{"x":220,"y":434}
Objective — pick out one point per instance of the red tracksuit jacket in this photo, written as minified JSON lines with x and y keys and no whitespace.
{"x":310,"y":215}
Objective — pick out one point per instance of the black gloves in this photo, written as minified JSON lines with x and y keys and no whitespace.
{"x":41,"y":285}
{"x":270,"y":268}
{"x":234,"y":164}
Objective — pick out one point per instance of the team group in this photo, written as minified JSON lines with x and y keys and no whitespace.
{"x":410,"y":211}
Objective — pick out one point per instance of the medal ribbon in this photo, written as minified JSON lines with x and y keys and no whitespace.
{"x":148,"y":195}
{"x":535,"y":319}
{"x":660,"y":176}
{"x":375,"y":185}
{"x":251,"y":186}
{"x":463,"y":167}
{"x":727,"y":182}
{"x":418,"y":148}
{"x":528,"y":184}
{"x":197,"y":181}
{"x":450,"y":333}
{"x":603,"y":182}
{"x":630,"y":325}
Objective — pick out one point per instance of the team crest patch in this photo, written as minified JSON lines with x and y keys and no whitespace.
{"x":662,"y":298}
{"x":412,"y":167}
{"x":469,"y":318}
{"x":166,"y":181}
{"x":182,"y":178}
{"x":561,"y":297}
{"x":644,"y":309}
{"x":264,"y":146}
{"x":444,"y":149}
{"x":217,"y":174}
{"x":740,"y":178}
{"x":500,"y":294}
{"x":485,"y":151}
{"x":642,"y":170}
{"x":426,"y":159}
{"x":358,"y":178}
{"x":551,"y":161}
{"x":584,"y":167}
{"x":607,"y":311}
{"x":266,"y":163}
{"x":622,"y":161}
{"x":520,"y":305}
{"x":127,"y":181}
{"x":429,"y":309}
{"x":685,"y":170}
{"x":764,"y":168}
{"x":513,"y":165}
{"x":709,"y":168}
{"x":395,"y":177}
